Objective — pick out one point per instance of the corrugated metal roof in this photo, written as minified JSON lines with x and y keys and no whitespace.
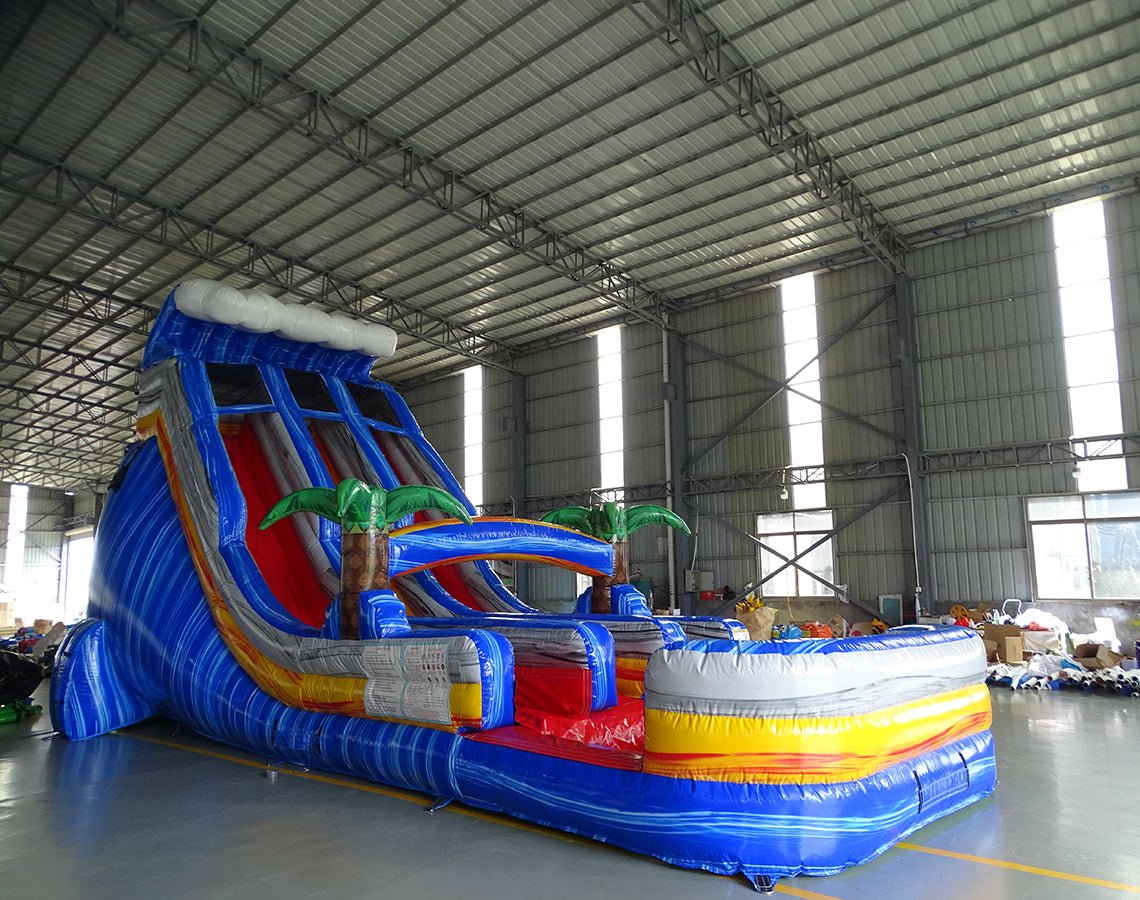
{"x":487,"y":161}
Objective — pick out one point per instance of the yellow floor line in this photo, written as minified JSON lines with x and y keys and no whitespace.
{"x":419,"y":799}
{"x":1019,"y":867}
{"x":782,"y":888}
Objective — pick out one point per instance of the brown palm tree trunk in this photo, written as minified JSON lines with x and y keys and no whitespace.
{"x":363,"y":567}
{"x":600,"y":601}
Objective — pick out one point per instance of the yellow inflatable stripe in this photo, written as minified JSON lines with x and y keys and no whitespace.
{"x":811,"y":749}
{"x":467,"y":704}
{"x":319,"y":693}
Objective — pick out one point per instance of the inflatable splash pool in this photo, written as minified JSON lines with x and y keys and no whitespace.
{"x":672,"y":737}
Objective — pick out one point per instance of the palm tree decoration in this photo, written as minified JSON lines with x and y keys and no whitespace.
{"x":611,"y":522}
{"x":366,"y":514}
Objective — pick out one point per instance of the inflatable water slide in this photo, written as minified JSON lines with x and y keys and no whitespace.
{"x":674,"y":737}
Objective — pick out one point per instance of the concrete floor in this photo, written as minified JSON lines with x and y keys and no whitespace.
{"x":159,"y":812}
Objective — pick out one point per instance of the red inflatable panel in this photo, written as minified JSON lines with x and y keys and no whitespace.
{"x":277,"y":551}
{"x":562,"y":691}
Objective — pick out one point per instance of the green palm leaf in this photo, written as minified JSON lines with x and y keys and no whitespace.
{"x":615,"y":521}
{"x":413,"y":497}
{"x":360,"y":506}
{"x":322,"y":501}
{"x":576,"y":517}
{"x":607,"y":521}
{"x":640,"y":516}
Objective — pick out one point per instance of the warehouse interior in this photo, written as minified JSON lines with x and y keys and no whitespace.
{"x":853,"y":286}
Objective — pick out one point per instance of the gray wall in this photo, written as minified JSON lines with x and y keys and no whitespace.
{"x":991,"y":375}
{"x":729,"y":346}
{"x":861,"y":376}
{"x":991,"y":369}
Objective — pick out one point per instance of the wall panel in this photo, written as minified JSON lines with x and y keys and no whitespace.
{"x":1122,"y":221}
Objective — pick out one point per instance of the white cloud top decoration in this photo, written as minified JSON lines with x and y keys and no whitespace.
{"x":212,"y":301}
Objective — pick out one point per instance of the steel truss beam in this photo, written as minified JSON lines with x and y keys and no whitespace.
{"x":55,"y":184}
{"x":76,"y":301}
{"x":1072,"y":451}
{"x":95,"y":412}
{"x":46,"y":476}
{"x":16,"y":351}
{"x":931,"y":462}
{"x":50,"y":448}
{"x":76,"y":521}
{"x":538,"y":505}
{"x":126,"y":318}
{"x":53,"y":429}
{"x":26,"y":363}
{"x":66,"y":471}
{"x":76,"y":443}
{"x":186,"y":45}
{"x":860,"y":470}
{"x":710,"y":53}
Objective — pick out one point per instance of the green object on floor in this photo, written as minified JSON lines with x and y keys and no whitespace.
{"x":17,"y":710}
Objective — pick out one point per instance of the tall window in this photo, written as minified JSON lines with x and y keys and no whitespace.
{"x":17,"y":522}
{"x":610,"y":421}
{"x":801,"y":346}
{"x":791,"y":533}
{"x":79,"y":555}
{"x":1090,"y":340}
{"x":473,"y":434}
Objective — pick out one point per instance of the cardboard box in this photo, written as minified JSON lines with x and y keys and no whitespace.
{"x":1096,"y":656}
{"x":1000,"y":634}
{"x":991,"y":650}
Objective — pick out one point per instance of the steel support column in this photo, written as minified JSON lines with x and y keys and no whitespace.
{"x":912,"y":426}
{"x":519,"y":463}
{"x":676,"y":441}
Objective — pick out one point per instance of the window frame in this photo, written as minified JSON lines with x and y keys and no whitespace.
{"x":1085,"y":520}
{"x":812,"y":534}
